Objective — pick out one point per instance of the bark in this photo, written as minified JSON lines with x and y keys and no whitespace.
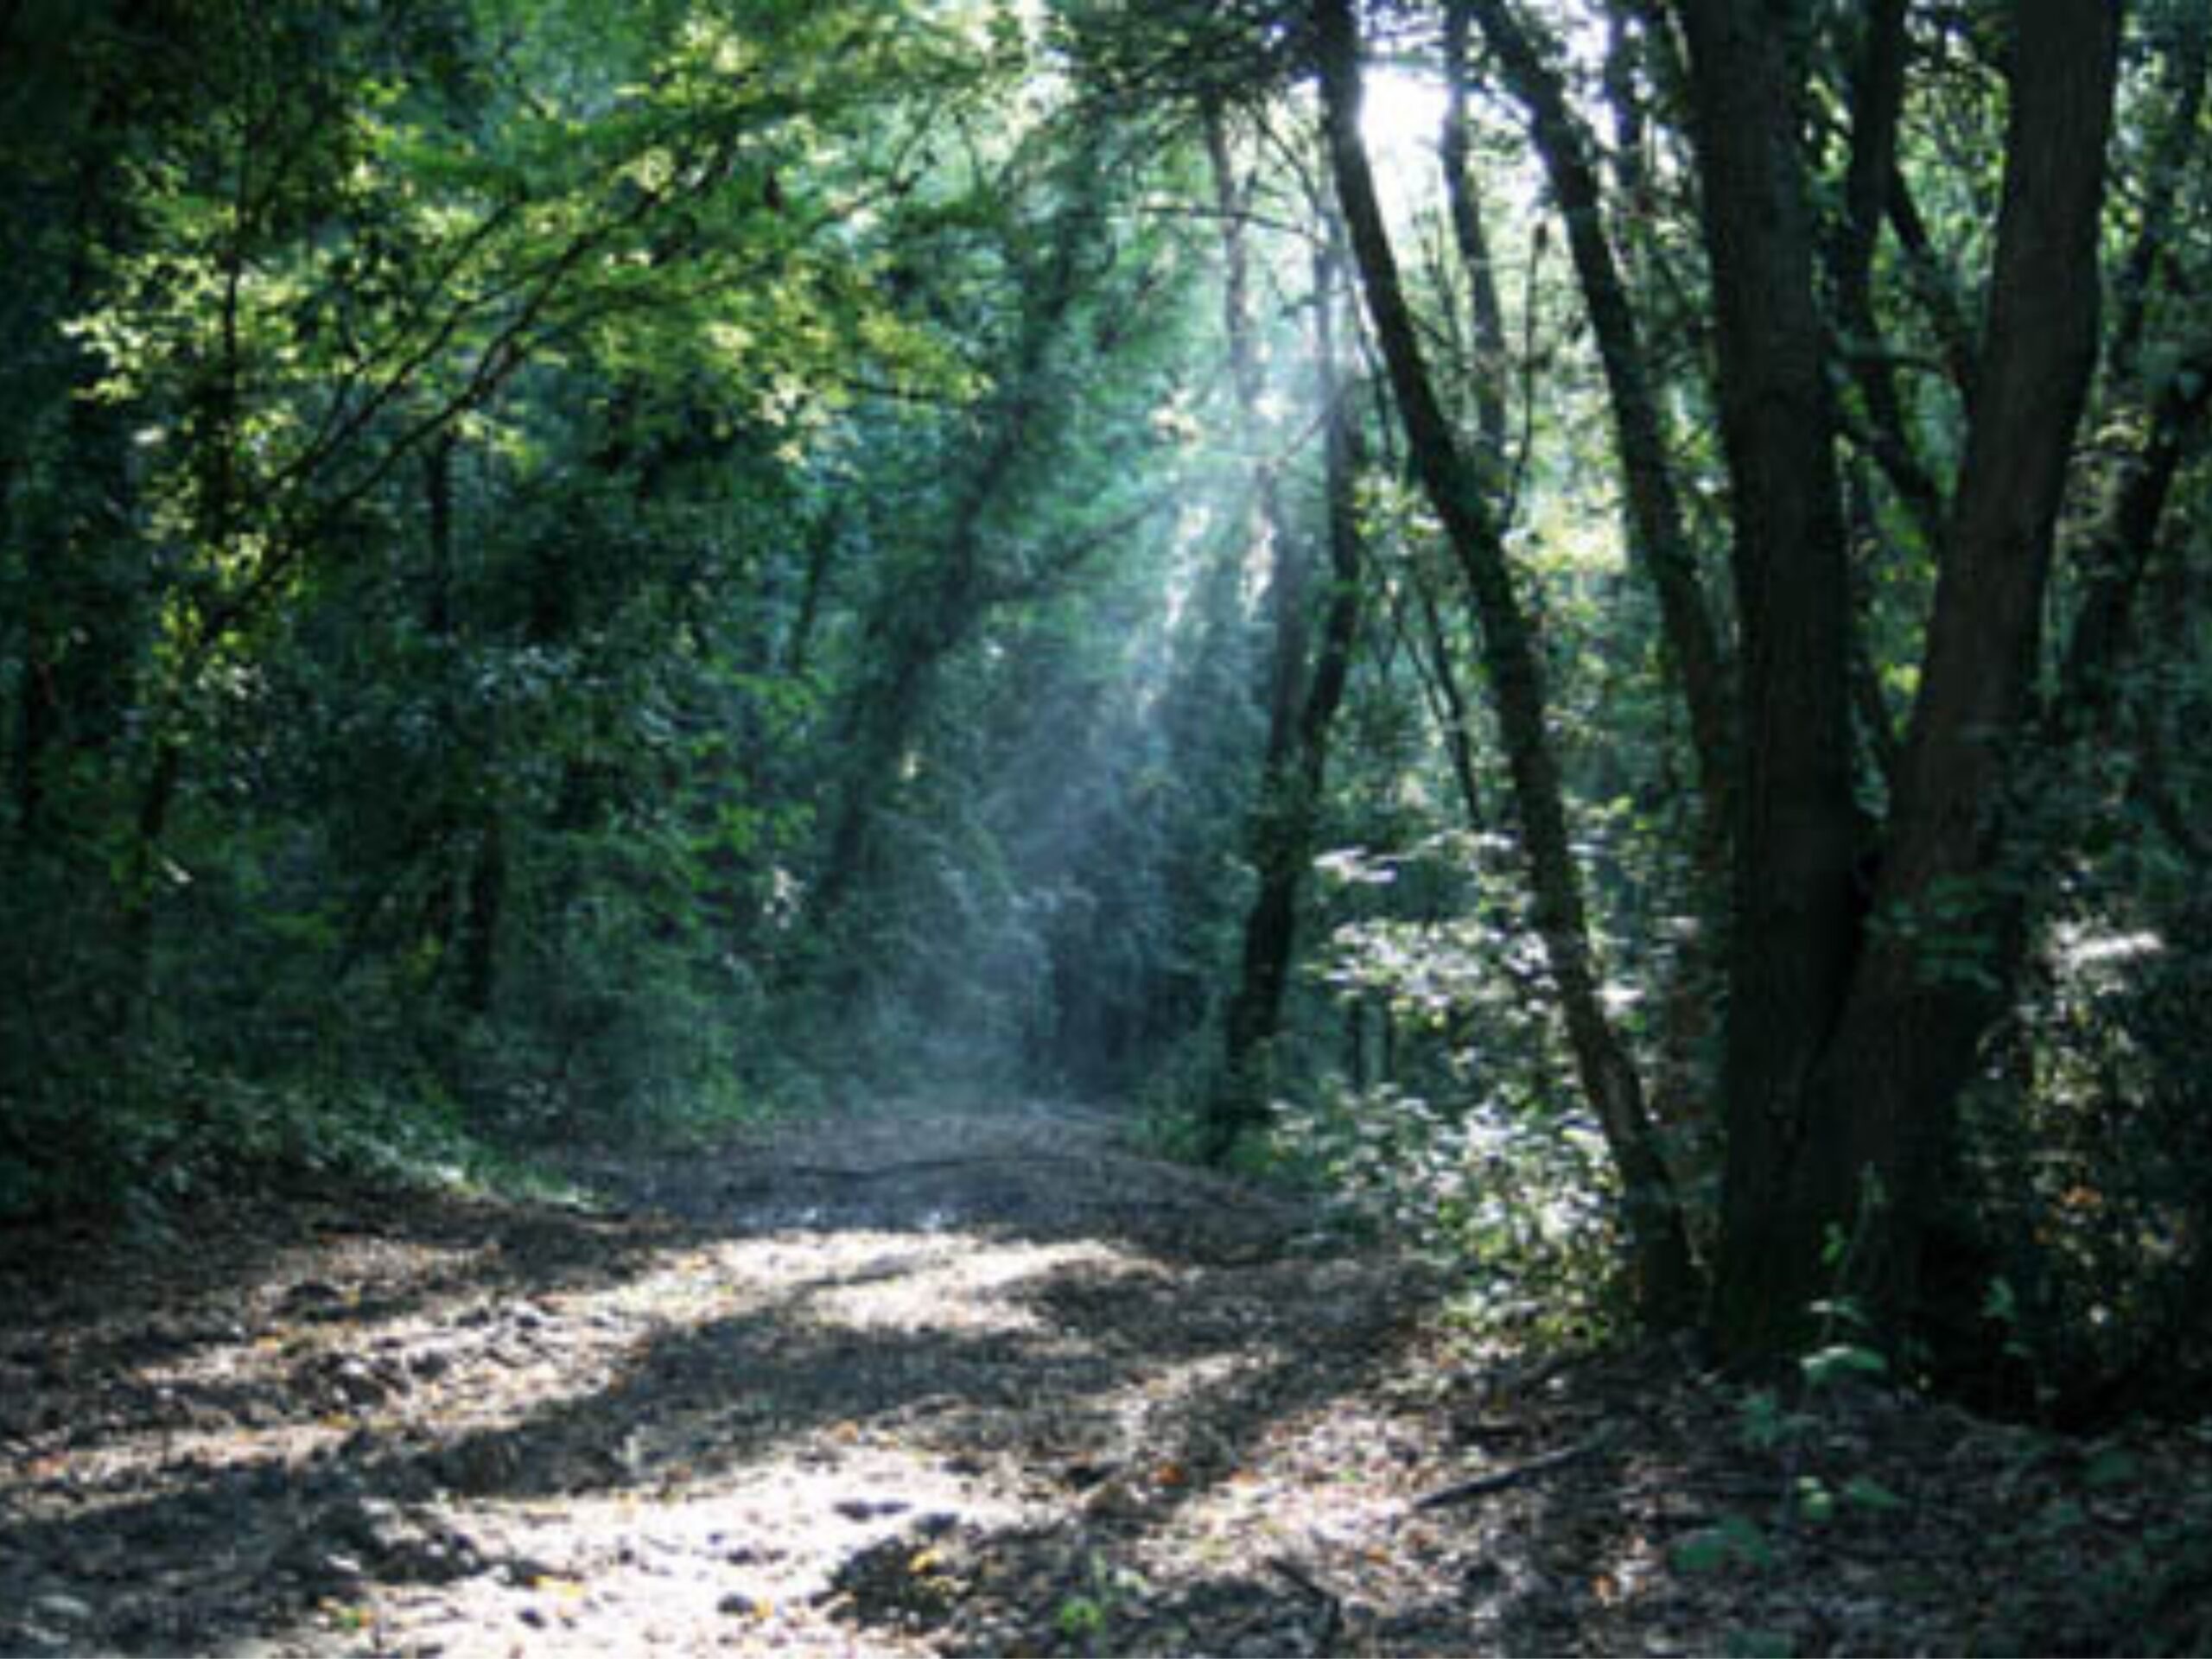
{"x":1907,"y":1036}
{"x":2114,"y":559}
{"x":1667,"y":1281}
{"x":1446,"y":698}
{"x":1624,"y":97}
{"x":913,"y":631}
{"x":1485,"y":315}
{"x":822,"y":546}
{"x":1287,"y":551}
{"x":1656,"y":535}
{"x":1932,"y":286}
{"x":483,"y":905}
{"x":2188,"y":55}
{"x":1794,"y":923}
{"x":1876,"y":104}
{"x":476,"y":903}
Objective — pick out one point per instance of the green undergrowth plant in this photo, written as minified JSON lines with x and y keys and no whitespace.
{"x":1788,"y":1422}
{"x":1517,"y":1199}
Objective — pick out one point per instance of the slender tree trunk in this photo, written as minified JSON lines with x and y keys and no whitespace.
{"x":2188,"y":57}
{"x":2113,"y":560}
{"x":915,"y":629}
{"x":1656,"y":535}
{"x":1447,"y":698}
{"x":1667,"y":1280}
{"x":1876,"y":104}
{"x":1454,"y":151}
{"x":1303,"y":697}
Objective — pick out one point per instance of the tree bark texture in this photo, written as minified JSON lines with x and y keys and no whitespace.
{"x":1658,"y":538}
{"x":1877,"y":107}
{"x":1485,"y":314}
{"x":1841,"y":1093}
{"x":1794,"y":925}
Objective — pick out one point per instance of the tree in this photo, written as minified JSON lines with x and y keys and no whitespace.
{"x":1848,"y":1045}
{"x":1306,"y":677}
{"x":1666,"y":1279}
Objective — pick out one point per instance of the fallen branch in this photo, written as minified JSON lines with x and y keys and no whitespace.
{"x":1499,"y":1480}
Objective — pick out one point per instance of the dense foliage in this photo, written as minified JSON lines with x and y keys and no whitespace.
{"x":1590,"y":621}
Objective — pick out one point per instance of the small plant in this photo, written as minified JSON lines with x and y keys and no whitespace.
{"x":1841,"y":1351}
{"x":1083,"y":1617}
{"x":1080,"y":1619}
{"x":1732,"y":1541}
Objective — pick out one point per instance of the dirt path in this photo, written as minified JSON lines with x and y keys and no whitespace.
{"x":898,"y":1383}
{"x":969,"y":1383}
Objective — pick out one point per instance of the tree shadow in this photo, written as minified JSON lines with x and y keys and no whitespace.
{"x":216,"y":1544}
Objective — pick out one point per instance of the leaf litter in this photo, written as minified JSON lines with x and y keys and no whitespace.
{"x":1029,"y":1391}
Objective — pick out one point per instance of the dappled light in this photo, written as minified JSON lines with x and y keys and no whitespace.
{"x":1089,"y":826}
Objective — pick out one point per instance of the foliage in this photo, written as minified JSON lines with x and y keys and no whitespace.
{"x":570,"y":569}
{"x":1514,"y":1197}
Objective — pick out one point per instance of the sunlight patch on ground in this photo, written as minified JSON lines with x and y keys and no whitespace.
{"x":958,"y":1284}
{"x":747,"y":1567}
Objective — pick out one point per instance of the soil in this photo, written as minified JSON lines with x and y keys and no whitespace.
{"x":975,"y":1381}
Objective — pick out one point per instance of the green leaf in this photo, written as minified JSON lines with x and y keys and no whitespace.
{"x":1834,"y":1361}
{"x":2111,"y":1467}
{"x":1869,"y":1494}
{"x":1734,"y":1539}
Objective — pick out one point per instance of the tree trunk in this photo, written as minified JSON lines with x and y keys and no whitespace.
{"x":1484,"y":312}
{"x":1657,"y":539}
{"x":1840,"y":1096}
{"x":912,"y":632}
{"x":1666,"y":1283}
{"x":1303,"y":699}
{"x":1794,"y":926}
{"x":1876,"y":104}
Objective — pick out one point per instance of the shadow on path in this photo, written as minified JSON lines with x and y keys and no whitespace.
{"x":1009,"y":1335}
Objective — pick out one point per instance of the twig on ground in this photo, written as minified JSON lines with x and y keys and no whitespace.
{"x":1497,"y":1480}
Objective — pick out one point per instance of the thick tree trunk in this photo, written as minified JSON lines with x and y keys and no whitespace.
{"x":1913,"y":1029}
{"x":1667,"y":1279}
{"x":1843,"y":1137}
{"x":1794,"y":925}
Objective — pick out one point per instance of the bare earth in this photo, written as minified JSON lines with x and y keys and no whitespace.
{"x":971,"y":1381}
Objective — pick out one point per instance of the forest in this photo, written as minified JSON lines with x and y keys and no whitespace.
{"x":1556,"y":642}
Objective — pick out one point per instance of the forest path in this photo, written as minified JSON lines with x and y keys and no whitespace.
{"x":954,"y":1381}
{"x":963,"y":1381}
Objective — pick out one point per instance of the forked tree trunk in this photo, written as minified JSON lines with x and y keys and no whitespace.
{"x":1845,"y":1064}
